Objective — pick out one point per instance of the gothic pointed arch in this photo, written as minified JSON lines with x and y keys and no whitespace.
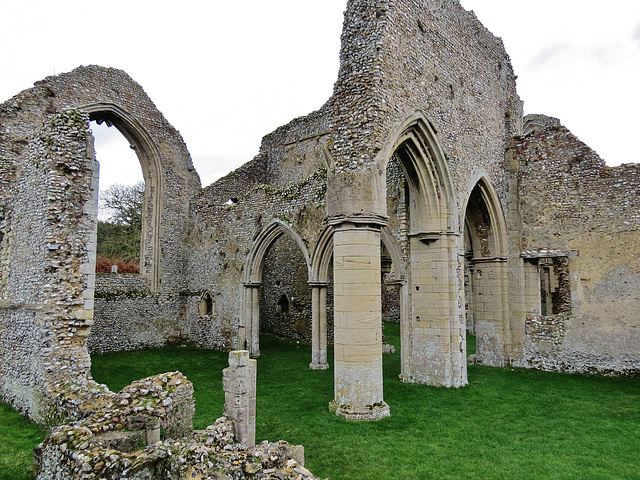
{"x":253,"y":276}
{"x":151,"y":165}
{"x":432,"y":193}
{"x":486,"y":274}
{"x":484,"y":199}
{"x":322,"y":255}
{"x":262,"y":242}
{"x":432,"y":331}
{"x":397,"y":263}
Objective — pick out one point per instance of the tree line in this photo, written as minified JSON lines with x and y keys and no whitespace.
{"x":119,"y":228}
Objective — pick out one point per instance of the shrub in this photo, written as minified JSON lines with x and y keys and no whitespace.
{"x":103,"y":265}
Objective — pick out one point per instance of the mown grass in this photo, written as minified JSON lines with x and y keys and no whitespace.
{"x":18,"y":437}
{"x":506,"y":424}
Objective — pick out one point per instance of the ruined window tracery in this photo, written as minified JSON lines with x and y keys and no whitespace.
{"x":555,"y":293}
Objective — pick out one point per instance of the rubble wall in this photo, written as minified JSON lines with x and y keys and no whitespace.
{"x":405,"y":56}
{"x":286,"y":182}
{"x":46,"y":309}
{"x":49,"y":193}
{"x":570,"y":201}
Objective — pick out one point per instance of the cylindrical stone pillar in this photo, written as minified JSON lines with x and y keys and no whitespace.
{"x":358,"y":325}
{"x":318,"y":327}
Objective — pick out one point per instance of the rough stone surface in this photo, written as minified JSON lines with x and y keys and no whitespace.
{"x":570,"y":201}
{"x":239,"y":383}
{"x":417,"y":193}
{"x":76,"y":452}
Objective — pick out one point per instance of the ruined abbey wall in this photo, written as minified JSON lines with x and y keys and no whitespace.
{"x":414,"y":194}
{"x":284,"y":184}
{"x":573,"y":206}
{"x":45,"y":310}
{"x":435,"y":57}
{"x":48,"y":244}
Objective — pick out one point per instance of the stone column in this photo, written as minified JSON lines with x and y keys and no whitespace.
{"x":239,"y":383}
{"x":435,"y":352}
{"x":492,"y":327}
{"x":358,"y":325}
{"x":251,"y":313}
{"x":318,"y":327}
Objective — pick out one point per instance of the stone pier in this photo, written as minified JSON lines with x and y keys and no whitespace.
{"x":358,"y":325}
{"x":239,"y":383}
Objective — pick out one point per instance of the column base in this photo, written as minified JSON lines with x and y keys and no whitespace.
{"x":366,"y":413}
{"x":319,"y":366}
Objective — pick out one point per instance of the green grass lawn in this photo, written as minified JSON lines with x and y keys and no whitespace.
{"x":506,"y":424}
{"x":18,"y":436}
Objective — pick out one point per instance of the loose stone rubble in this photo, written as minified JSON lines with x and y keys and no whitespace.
{"x":73,"y":452}
{"x":145,"y":431}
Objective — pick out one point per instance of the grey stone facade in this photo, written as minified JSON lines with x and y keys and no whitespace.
{"x":417,"y":193}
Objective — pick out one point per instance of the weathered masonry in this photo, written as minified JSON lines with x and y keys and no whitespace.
{"x":417,"y":193}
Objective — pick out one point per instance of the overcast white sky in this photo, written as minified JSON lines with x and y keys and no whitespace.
{"x":227,"y":73}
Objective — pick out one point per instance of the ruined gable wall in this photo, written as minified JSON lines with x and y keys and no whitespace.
{"x":140,"y":313}
{"x":443,"y":61}
{"x":93,"y":85}
{"x":407,"y":55}
{"x":48,"y":249}
{"x":570,"y":201}
{"x":285,"y":182}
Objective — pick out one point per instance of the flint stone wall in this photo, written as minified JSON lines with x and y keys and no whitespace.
{"x":570,"y":201}
{"x":45,"y":309}
{"x":286,"y":274}
{"x":402,"y":56}
{"x":49,"y":190}
{"x":286,"y":182}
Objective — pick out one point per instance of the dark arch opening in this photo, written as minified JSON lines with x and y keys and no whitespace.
{"x":285,"y":295}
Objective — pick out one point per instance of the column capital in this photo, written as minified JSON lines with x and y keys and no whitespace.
{"x":358,"y":220}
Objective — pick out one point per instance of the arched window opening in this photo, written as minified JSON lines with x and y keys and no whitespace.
{"x":206,"y":307}
{"x":282,"y":306}
{"x":120,"y":201}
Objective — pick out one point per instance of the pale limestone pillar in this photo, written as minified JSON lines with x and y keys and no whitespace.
{"x":251,"y":317}
{"x":319,"y":327}
{"x":239,"y":383}
{"x":435,"y":330}
{"x":255,"y":321}
{"x":323,"y":326}
{"x":358,"y":325}
{"x":490,"y":292}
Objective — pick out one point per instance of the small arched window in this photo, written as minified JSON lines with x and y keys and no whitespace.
{"x":283,"y":304}
{"x":206,"y":306}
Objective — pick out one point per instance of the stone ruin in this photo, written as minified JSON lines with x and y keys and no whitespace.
{"x":146,"y":431}
{"x":417,"y":193}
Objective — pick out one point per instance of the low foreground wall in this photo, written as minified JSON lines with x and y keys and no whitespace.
{"x":146,"y":432}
